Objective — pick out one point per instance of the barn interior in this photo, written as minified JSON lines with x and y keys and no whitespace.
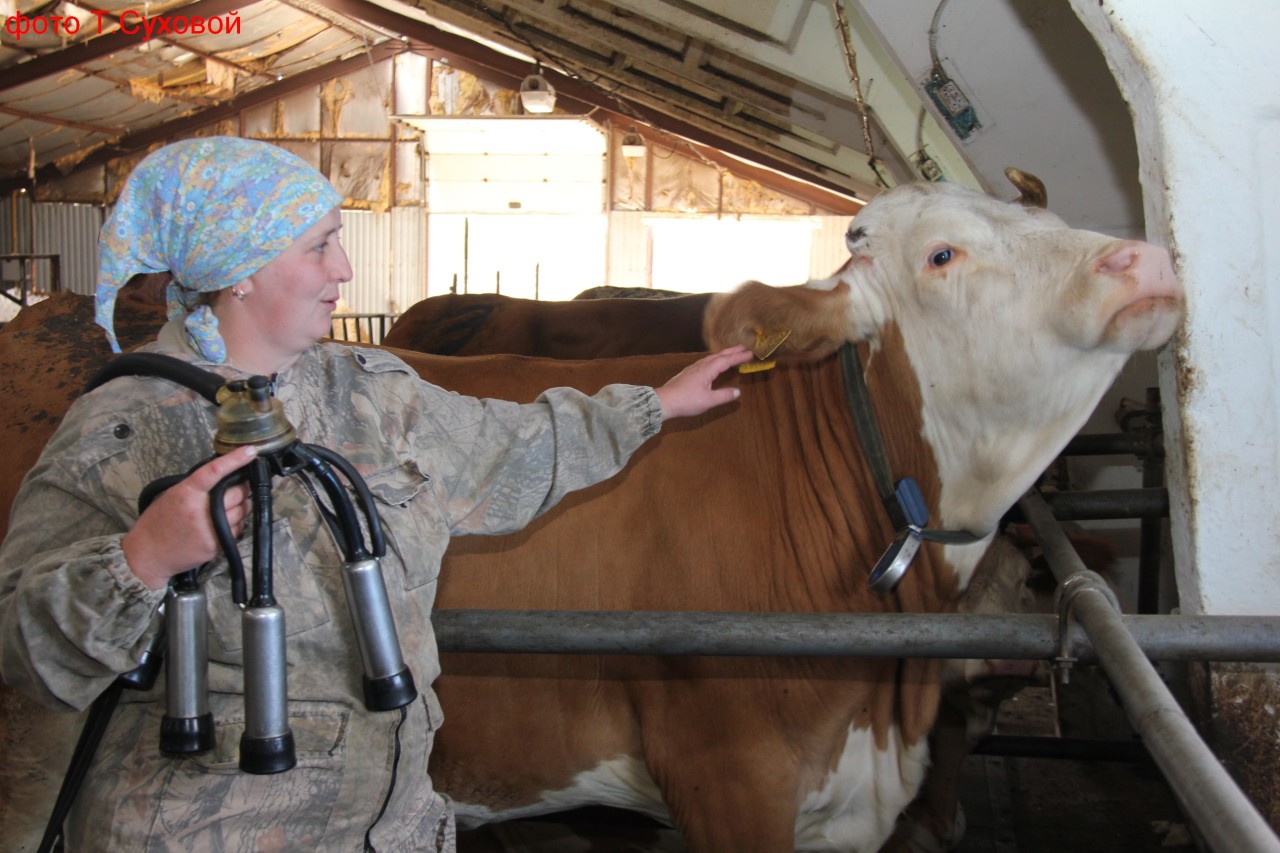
{"x":538,"y":148}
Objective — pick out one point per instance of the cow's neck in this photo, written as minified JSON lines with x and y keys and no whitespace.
{"x":993,"y":434}
{"x":937,"y":574}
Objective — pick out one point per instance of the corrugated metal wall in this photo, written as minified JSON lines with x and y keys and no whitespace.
{"x":388,"y":259}
{"x":628,"y":261}
{"x":15,"y":224}
{"x":71,"y":232}
{"x":408,"y":273}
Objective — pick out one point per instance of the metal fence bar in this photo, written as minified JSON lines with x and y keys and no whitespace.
{"x":1107,"y":444}
{"x":1218,"y":808}
{"x":360,"y":328}
{"x":1144,"y":503}
{"x":1014,"y":636}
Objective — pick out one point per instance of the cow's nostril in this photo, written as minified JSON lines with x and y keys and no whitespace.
{"x":1121,"y":259}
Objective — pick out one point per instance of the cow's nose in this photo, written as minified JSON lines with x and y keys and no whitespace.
{"x":1149,"y":266}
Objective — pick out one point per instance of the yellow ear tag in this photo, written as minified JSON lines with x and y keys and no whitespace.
{"x":767,"y":344}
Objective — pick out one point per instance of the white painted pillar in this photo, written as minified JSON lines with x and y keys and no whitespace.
{"x":1201,"y":82}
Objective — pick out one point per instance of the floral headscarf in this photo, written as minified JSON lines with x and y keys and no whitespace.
{"x":211,"y":212}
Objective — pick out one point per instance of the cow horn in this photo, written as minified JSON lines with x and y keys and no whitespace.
{"x":1031,"y":187}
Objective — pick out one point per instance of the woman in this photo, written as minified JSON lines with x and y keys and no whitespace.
{"x":250,"y":235}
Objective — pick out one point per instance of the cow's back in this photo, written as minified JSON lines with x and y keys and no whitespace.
{"x":483,"y":324}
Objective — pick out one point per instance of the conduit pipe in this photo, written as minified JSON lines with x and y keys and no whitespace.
{"x":1218,"y":808}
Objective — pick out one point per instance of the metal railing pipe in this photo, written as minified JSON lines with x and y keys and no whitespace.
{"x":1108,"y":504}
{"x":1007,"y":636}
{"x":1219,"y":809}
{"x":1107,"y":444}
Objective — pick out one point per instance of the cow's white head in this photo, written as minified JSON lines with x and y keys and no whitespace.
{"x":1014,"y":324}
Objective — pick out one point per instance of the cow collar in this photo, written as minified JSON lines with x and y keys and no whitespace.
{"x":903,"y":500}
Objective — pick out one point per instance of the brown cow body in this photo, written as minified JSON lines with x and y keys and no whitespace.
{"x":483,"y":324}
{"x":702,"y":551}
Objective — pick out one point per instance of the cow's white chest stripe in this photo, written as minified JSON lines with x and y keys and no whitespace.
{"x":854,"y":810}
{"x":620,"y":782}
{"x":862,"y":797}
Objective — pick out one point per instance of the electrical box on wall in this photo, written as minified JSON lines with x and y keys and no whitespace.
{"x":953,"y":104}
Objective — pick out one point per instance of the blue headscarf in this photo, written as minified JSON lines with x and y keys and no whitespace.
{"x":211,"y":212}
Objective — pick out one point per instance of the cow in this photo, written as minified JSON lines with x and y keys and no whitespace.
{"x":986,"y":333}
{"x":481,"y":324}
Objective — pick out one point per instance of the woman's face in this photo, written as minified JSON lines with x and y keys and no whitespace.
{"x":292,"y":298}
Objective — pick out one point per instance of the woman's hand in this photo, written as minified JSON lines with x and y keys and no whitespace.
{"x":689,"y":392}
{"x":175,"y":533}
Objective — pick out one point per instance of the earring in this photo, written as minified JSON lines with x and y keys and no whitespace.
{"x":237,"y":293}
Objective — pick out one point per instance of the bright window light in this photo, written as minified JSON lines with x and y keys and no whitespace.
{"x":713,"y":255}
{"x":543,"y":256}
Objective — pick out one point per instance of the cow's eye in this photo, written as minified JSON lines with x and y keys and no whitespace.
{"x":942,"y":257}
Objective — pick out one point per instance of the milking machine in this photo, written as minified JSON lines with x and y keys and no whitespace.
{"x":248,"y":413}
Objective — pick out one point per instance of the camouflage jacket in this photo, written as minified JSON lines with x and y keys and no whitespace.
{"x":73,"y":616}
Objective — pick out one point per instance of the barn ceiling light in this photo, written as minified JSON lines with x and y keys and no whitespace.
{"x":632,"y":144}
{"x":536,"y":94}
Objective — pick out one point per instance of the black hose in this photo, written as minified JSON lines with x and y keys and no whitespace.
{"x":203,"y":382}
{"x":222,"y":531}
{"x":263,"y":592}
{"x":352,"y":541}
{"x":377,"y":543}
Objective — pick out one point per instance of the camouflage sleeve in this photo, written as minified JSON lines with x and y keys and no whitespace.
{"x":72,"y":614}
{"x":497,"y":465}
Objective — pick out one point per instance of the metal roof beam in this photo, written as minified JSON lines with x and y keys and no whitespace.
{"x":485,"y":62}
{"x":135,"y":142}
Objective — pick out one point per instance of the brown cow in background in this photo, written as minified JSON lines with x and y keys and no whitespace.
{"x":487,"y":323}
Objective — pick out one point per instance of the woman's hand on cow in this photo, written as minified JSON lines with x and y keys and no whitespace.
{"x":690,"y":391}
{"x":175,"y":532}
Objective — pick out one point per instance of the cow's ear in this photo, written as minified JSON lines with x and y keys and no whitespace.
{"x":1031,"y":188}
{"x":814,"y":321}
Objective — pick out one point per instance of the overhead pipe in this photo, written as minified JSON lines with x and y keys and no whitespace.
{"x":1218,"y":808}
